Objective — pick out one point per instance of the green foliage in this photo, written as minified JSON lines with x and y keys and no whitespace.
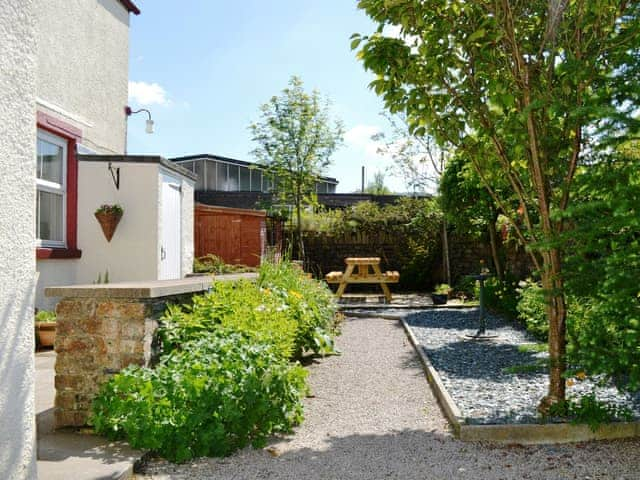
{"x":211,"y":263}
{"x":114,"y":209}
{"x":209,"y":398}
{"x":411,"y":227}
{"x":532,"y":309}
{"x":442,"y":289}
{"x":284,"y":308}
{"x":45,"y":316}
{"x":603,"y":268}
{"x":591,"y":411}
{"x":240,"y":306}
{"x":516,"y":87}
{"x":296,"y":138}
{"x":308,"y":302}
{"x":500,"y":296}
{"x":539,"y":366}
{"x":377,"y":186}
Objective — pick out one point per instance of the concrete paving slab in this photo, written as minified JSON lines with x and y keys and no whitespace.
{"x":71,"y":455}
{"x":66,"y":455}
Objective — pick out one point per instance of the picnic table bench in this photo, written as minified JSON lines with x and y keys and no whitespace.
{"x":363,"y":270}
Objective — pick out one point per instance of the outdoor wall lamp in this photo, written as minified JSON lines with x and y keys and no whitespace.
{"x":129,"y":112}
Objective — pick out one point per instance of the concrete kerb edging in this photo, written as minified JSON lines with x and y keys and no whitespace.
{"x":526,"y":434}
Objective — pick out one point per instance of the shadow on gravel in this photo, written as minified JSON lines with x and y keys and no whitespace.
{"x":413,"y":455}
{"x":480,"y":360}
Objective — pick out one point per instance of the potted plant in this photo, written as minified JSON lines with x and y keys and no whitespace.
{"x":109,"y":216}
{"x":45,"y":322}
{"x":441,"y":294}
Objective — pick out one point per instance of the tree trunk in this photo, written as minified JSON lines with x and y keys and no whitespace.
{"x":299,"y":244}
{"x":553,"y":286}
{"x":445,"y":254}
{"x":495,"y":250}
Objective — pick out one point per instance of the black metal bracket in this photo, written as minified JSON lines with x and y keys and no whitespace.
{"x":115,"y":174}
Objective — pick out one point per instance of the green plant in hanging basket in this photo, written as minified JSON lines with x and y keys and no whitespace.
{"x":109,"y":216}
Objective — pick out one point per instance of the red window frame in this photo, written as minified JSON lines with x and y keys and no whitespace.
{"x":73,"y":136}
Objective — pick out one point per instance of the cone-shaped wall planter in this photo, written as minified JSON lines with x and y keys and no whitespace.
{"x":108,"y":221}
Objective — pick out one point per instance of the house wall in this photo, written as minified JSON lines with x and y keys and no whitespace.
{"x":17,"y":237}
{"x":83,"y":68}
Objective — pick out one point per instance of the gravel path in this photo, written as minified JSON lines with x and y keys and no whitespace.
{"x":373,"y":417}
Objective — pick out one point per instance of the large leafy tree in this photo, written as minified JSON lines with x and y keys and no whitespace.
{"x":296,"y":138}
{"x":543,"y":82}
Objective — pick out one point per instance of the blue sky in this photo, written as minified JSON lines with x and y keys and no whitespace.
{"x":203,"y":68}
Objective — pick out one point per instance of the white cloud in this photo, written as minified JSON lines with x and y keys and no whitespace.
{"x":359,"y":137}
{"x":144,"y":93}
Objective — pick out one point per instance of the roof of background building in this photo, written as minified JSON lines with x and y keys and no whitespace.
{"x":208,"y":156}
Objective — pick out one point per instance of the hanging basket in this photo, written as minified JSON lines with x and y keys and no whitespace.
{"x":108,"y":221}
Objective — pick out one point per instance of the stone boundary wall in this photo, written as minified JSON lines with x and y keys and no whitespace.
{"x":96,"y":338}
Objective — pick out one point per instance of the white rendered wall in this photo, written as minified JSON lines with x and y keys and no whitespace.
{"x":17,"y":237}
{"x":187,"y":226}
{"x":133,"y":251}
{"x":83,"y":68}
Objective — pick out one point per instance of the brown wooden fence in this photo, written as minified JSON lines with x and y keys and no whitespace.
{"x":233,"y":234}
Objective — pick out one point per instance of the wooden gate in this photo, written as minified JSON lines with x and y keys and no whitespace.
{"x":233,"y":234}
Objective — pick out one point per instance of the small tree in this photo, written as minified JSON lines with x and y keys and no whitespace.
{"x":296,"y":139}
{"x":377,"y":186}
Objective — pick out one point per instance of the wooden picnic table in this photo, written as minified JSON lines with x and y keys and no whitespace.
{"x":363,"y":270}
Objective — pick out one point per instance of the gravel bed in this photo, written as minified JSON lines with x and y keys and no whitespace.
{"x":474,"y":374}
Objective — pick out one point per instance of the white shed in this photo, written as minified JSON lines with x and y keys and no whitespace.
{"x":154,"y":238}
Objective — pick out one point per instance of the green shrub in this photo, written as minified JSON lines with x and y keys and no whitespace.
{"x":45,"y":316}
{"x":310,"y":303}
{"x":591,"y":411}
{"x":241,"y":306}
{"x":213,"y":396}
{"x":211,"y":263}
{"x":532,"y":310}
{"x":500,"y":296}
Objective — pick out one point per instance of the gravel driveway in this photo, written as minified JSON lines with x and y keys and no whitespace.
{"x":373,"y":416}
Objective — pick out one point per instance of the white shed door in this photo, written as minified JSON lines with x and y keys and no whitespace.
{"x":170,"y":236}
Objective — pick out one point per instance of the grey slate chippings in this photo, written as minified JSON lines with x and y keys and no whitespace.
{"x":473,"y":372}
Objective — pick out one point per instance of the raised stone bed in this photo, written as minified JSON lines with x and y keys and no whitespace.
{"x":482,"y":397}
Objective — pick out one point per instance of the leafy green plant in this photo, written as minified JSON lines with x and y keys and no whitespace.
{"x":500,"y":296}
{"x":591,"y":411}
{"x":45,"y":316}
{"x":113,"y":209}
{"x":241,"y":306}
{"x":311,"y":304}
{"x":531,"y":309}
{"x":442,"y":289}
{"x":209,"y":398}
{"x":211,"y":263}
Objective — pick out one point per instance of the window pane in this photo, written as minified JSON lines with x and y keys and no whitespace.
{"x":256,"y":180}
{"x":233,"y":180}
{"x":244,"y":179}
{"x":221,"y":182}
{"x":198,"y":169}
{"x":50,"y":214}
{"x":211,"y":175}
{"x":49,"y":161}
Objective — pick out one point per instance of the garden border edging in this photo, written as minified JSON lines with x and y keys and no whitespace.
{"x":526,"y":434}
